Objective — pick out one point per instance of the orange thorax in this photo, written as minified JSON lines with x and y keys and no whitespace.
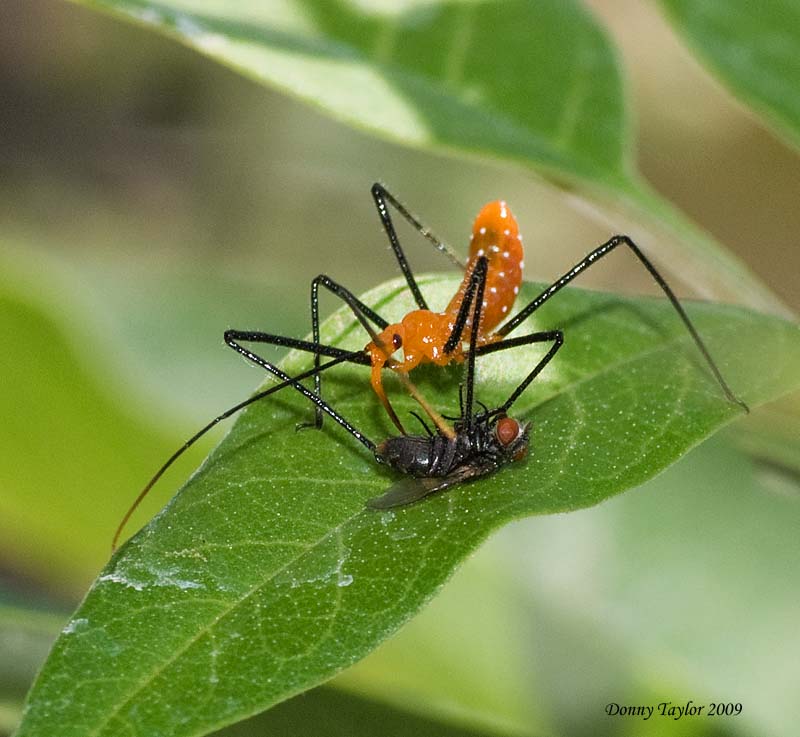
{"x":422,"y":334}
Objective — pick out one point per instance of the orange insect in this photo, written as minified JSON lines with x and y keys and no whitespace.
{"x":424,"y":336}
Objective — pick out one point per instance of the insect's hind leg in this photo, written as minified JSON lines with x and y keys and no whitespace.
{"x":556,"y":336}
{"x":594,"y":257}
{"x":363,"y":313}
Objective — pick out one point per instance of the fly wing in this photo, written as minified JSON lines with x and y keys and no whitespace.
{"x":409,"y":489}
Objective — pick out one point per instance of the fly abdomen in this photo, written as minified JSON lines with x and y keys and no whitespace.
{"x":418,"y":456}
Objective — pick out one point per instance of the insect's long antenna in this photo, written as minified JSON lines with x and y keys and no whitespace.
{"x":595,"y":256}
{"x":227,"y":413}
{"x":379,"y":192}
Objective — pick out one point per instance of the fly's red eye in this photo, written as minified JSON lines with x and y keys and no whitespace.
{"x":507,"y":430}
{"x":397,"y":341}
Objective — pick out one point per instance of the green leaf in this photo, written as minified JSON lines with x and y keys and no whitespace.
{"x":541,"y":85}
{"x":536,"y":84}
{"x":63,"y":416}
{"x":752,"y":48}
{"x":27,"y":634}
{"x":344,"y":715}
{"x":266,"y":575}
{"x":464,"y":658}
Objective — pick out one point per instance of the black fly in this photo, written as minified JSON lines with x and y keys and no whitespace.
{"x":436,"y":462}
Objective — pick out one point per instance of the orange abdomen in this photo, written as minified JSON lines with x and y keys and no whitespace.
{"x":495,"y":234}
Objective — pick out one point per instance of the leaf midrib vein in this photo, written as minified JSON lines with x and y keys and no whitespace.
{"x":152,"y":675}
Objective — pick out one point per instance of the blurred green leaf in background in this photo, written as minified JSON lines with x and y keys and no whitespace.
{"x":153,"y":196}
{"x":752,"y":48}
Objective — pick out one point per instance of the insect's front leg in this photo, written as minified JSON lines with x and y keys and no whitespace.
{"x":232,"y":338}
{"x":365,"y":315}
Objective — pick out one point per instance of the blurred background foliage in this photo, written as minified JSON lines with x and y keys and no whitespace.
{"x":151,"y":198}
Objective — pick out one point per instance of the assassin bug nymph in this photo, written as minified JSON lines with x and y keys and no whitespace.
{"x":425,"y":336}
{"x":478,"y":443}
